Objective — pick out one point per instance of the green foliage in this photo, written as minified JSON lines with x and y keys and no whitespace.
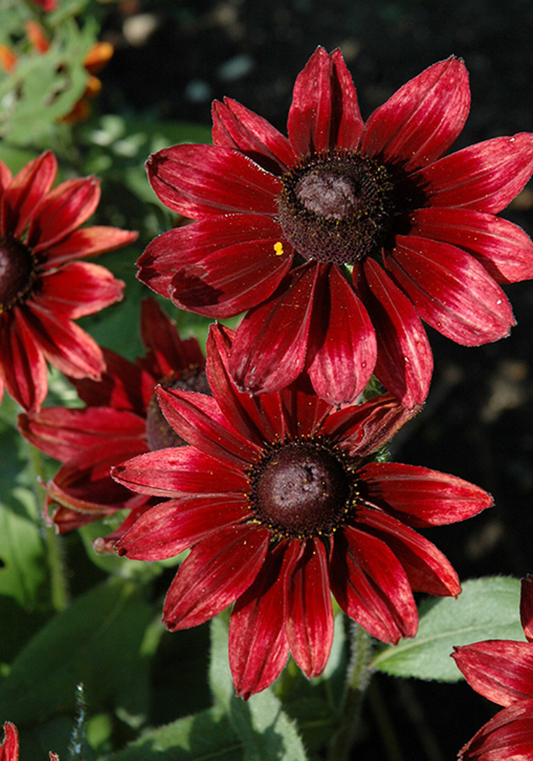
{"x":486,"y":609}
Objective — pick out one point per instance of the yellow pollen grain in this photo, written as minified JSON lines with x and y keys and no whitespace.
{"x":278,"y":248}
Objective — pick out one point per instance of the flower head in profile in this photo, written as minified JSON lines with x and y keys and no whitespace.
{"x":502,"y":671}
{"x":281,"y":505}
{"x":9,"y":750}
{"x":348,"y":232}
{"x":121,"y":419}
{"x":43,"y":288}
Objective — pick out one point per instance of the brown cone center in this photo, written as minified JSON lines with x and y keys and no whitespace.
{"x":17,"y":272}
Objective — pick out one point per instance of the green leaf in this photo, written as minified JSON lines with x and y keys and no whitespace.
{"x":261,"y":723}
{"x":97,"y":641}
{"x":487,"y":608}
{"x":206,"y":736}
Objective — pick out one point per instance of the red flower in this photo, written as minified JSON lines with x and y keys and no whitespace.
{"x":9,"y":750}
{"x":42,"y":290}
{"x":502,"y":671}
{"x":122,"y":419}
{"x":348,"y":232}
{"x":278,"y":499}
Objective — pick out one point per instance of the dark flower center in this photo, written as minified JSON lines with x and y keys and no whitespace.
{"x":17,"y":272}
{"x":159,"y":434}
{"x":301,"y":489}
{"x":337,"y":207}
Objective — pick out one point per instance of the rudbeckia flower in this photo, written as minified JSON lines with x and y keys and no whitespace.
{"x":280,"y":502}
{"x":502,"y":671}
{"x":337,"y":241}
{"x":42,"y":288}
{"x":121,"y":419}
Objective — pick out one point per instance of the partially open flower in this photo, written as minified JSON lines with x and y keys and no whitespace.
{"x":122,"y":419}
{"x":281,"y":503}
{"x":347,"y":232}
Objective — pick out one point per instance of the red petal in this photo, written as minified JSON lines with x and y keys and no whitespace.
{"x":500,"y":670}
{"x":266,"y":356}
{"x":201,"y":180}
{"x":309,"y":615}
{"x":168,"y":354}
{"x":371,"y":587}
{"x":78,"y":289}
{"x":64,"y":344}
{"x":5,"y":177}
{"x":219,"y":266}
{"x":404,"y":361}
{"x":180,"y":470}
{"x":508,"y":736}
{"x":422,"y":119}
{"x":63,"y":210}
{"x":198,"y":419}
{"x":234,"y":126}
{"x":123,"y":386}
{"x":24,"y":193}
{"x":426,"y":567}
{"x":63,"y":433}
{"x":9,"y":750}
{"x":89,"y":241}
{"x":451,"y":291}
{"x":361,"y":429}
{"x":22,"y":363}
{"x":166,"y":530}
{"x":485,"y":176}
{"x":502,"y":248}
{"x":421,"y":496}
{"x":217,"y":572}
{"x":324,"y":114}
{"x":342,"y":343}
{"x":258,"y":644}
{"x":526,"y":607}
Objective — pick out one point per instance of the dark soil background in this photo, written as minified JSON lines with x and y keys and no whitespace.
{"x":173,"y":58}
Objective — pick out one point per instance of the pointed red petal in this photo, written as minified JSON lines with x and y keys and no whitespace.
{"x":342,"y":343}
{"x":324,"y":113}
{"x":502,"y":248}
{"x":217,"y":572}
{"x":451,"y":291}
{"x":425,"y":566}
{"x":371,"y":587}
{"x":500,"y":670}
{"x":201,"y":180}
{"x":218,"y":266}
{"x":404,"y":360}
{"x":78,"y":289}
{"x":486,"y":176}
{"x":9,"y":750}
{"x":64,"y":209}
{"x":89,"y":241}
{"x":526,"y":607}
{"x":422,"y":119}
{"x":234,"y":126}
{"x":123,"y":386}
{"x":5,"y":177}
{"x":22,"y":362}
{"x":258,"y":645}
{"x":421,"y":496}
{"x":361,"y":429}
{"x":168,"y":353}
{"x":167,"y":529}
{"x":179,"y":470}
{"x":309,"y":619}
{"x":508,"y":736}
{"x":265,"y":355}
{"x":24,"y":193}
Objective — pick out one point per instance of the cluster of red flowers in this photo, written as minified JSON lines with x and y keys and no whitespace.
{"x":336,"y":242}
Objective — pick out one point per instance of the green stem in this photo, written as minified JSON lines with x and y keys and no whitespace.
{"x":358,"y":680}
{"x":58,"y":580}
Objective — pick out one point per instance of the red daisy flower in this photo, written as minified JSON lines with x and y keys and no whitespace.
{"x":502,"y":671}
{"x":42,"y":290}
{"x":348,"y":232}
{"x":122,"y":419}
{"x":280,"y":504}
